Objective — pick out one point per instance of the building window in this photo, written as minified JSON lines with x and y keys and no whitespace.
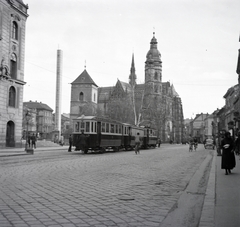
{"x":13,"y":66}
{"x":81,"y":96}
{"x":94,"y":97}
{"x":14,"y":30}
{"x":156,"y":76}
{"x":12,"y":97}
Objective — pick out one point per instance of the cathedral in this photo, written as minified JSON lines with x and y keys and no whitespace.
{"x":152,"y":104}
{"x":13,"y":16}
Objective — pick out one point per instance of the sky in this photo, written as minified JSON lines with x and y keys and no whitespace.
{"x":198,"y":41}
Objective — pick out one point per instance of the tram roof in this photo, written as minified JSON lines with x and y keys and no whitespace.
{"x":95,"y":118}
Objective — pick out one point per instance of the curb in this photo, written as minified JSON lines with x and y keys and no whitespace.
{"x":5,"y":153}
{"x":208,"y":209}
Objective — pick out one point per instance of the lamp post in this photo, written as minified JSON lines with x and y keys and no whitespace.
{"x":28,"y":118}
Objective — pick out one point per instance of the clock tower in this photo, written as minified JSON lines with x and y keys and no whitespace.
{"x":153,"y":70}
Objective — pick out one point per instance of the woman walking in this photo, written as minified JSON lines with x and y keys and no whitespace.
{"x":228,"y":157}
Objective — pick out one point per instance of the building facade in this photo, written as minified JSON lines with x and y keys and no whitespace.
{"x":13,"y":16}
{"x":44,"y":118}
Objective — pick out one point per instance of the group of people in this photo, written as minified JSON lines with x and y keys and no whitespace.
{"x":193,"y":143}
{"x":32,"y":139}
{"x":82,"y":142}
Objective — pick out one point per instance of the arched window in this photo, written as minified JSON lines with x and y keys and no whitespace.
{"x":14,"y":30}
{"x":81,"y":96}
{"x":12,"y":97}
{"x":13,"y":66}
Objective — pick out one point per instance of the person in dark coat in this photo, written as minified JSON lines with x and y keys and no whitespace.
{"x":159,"y":142}
{"x":70,"y":143}
{"x":228,"y":157}
{"x":33,"y":139}
{"x":29,"y":140}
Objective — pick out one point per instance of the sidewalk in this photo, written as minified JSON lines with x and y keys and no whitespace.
{"x":222,"y":201}
{"x":21,"y":151}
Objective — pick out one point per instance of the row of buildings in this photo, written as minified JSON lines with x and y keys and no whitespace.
{"x":227,"y":118}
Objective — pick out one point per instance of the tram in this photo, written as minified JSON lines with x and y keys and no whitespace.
{"x":103,"y":134}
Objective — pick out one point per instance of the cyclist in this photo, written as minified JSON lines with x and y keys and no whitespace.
{"x":191,"y":143}
{"x":195,"y":141}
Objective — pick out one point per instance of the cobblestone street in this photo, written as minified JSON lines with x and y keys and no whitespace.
{"x":112,"y":189}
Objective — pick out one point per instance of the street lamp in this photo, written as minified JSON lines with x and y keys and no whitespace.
{"x":28,"y":117}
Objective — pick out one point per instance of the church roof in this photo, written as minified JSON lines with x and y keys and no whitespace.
{"x":84,"y":78}
{"x":104,"y":93}
{"x":125,"y":86}
{"x":139,"y":87}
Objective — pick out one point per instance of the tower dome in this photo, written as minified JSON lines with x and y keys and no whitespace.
{"x":153,"y":54}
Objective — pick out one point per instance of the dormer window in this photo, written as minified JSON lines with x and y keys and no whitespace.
{"x":14,"y":30}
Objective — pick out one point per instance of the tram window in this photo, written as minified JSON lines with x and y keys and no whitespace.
{"x":112,"y":128}
{"x":103,"y":127}
{"x":87,"y":126}
{"x":92,"y":127}
{"x":120,"y":129}
{"x":117,"y":128}
{"x":77,"y":127}
{"x":95,"y":127}
{"x":107,"y":127}
{"x":82,"y":125}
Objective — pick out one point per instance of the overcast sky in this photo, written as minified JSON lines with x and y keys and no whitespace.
{"x":198,"y":41}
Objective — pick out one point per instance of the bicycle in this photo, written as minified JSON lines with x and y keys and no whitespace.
{"x":137,"y":146}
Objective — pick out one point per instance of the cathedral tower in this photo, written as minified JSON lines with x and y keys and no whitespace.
{"x":153,"y":70}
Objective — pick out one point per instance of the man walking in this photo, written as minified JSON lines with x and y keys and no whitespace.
{"x":137,"y":143}
{"x":70,"y":143}
{"x":33,"y":139}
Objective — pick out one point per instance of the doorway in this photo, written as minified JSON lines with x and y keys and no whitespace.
{"x":10,"y":141}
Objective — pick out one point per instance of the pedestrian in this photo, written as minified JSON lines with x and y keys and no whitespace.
{"x":82,"y":142}
{"x":70,"y":143}
{"x":33,"y":140}
{"x":137,"y":143}
{"x":237,"y":144}
{"x":228,"y":157}
{"x":29,"y":139}
{"x":159,"y":142}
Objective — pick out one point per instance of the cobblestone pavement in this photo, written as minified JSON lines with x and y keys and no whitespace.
{"x":114,"y":189}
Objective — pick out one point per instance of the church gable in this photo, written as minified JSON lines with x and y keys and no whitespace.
{"x":120,"y":89}
{"x":84,"y":78}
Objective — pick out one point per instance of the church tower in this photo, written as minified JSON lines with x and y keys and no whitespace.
{"x":132,"y":77}
{"x":153,"y":70}
{"x":84,"y":96}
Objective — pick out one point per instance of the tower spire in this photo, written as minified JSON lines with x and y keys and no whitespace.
{"x":132,"y":77}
